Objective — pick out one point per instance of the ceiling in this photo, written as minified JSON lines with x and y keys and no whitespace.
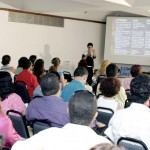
{"x":96,"y":10}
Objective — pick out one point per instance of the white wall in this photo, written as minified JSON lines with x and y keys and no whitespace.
{"x":68,"y":43}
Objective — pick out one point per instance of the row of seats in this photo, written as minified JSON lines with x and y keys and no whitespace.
{"x":105,"y":114}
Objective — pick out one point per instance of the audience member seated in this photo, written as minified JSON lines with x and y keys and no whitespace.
{"x":9,"y":99}
{"x":83,"y":62}
{"x":38,"y":92}
{"x":27,"y":77}
{"x":50,"y":107}
{"x":113,"y":71}
{"x":106,"y":146}
{"x":38,"y":69}
{"x":7,"y":130}
{"x":76,"y":135}
{"x":54,"y":68}
{"x":133,"y":121}
{"x":32,"y":59}
{"x":80,"y":77}
{"x":135,"y":71}
{"x":104,"y":64}
{"x":109,"y":88}
{"x":6,"y":66}
{"x":20,"y":64}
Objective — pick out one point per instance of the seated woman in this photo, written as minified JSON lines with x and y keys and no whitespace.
{"x":109,"y":87}
{"x":7,"y":130}
{"x":135,"y":71}
{"x":9,"y":99}
{"x":54,"y":68}
{"x":38,"y":69}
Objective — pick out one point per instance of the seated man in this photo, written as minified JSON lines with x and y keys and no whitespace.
{"x":113,"y":71}
{"x":133,"y":121}
{"x":50,"y":107}
{"x":7,"y":67}
{"x":76,"y":135}
{"x":27,"y":77}
{"x":80,"y":77}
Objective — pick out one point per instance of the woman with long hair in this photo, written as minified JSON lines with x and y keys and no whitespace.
{"x":54,"y":68}
{"x":9,"y":99}
{"x":38,"y":69}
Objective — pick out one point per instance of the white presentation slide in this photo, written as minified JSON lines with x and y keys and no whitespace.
{"x":127,"y":40}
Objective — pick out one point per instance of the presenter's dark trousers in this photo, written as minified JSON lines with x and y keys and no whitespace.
{"x":90,"y":75}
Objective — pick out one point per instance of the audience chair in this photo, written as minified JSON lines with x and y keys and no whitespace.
{"x":132,"y":144}
{"x":39,"y":125}
{"x":15,"y":76}
{"x":104,"y":115}
{"x":6,"y":148}
{"x":128,"y":93}
{"x":127,"y":103}
{"x":19,"y":123}
{"x":21,"y":90}
{"x":99,"y":79}
{"x":67,"y":76}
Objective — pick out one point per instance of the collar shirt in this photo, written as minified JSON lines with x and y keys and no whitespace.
{"x":51,"y":108}
{"x":69,"y":89}
{"x":133,"y":122}
{"x":70,"y":137}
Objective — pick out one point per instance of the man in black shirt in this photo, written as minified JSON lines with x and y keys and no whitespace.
{"x":90,"y":62}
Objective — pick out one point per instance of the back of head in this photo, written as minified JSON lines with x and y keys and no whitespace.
{"x":6,"y":85}
{"x":49,"y":84}
{"x":110,"y":87}
{"x":26,"y":63}
{"x":6,"y":59}
{"x":21,"y":61}
{"x":140,"y":89}
{"x":112,"y":70}
{"x":136,"y":70}
{"x":32,"y":58}
{"x":38,"y":67}
{"x":80,"y":72}
{"x":82,"y":108}
{"x":106,"y":146}
{"x":56,"y":61}
{"x":104,"y":65}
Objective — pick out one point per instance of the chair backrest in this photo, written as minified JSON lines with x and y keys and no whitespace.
{"x":21,"y":90}
{"x":67,"y":76}
{"x":127,"y":103}
{"x":19,"y":123}
{"x":128,"y":93}
{"x":39,"y":125}
{"x":132,"y":144}
{"x":104,"y":115}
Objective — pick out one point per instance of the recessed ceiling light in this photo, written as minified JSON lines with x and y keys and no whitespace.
{"x":121,"y":2}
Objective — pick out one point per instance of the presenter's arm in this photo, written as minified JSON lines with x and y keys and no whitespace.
{"x":94,"y":53}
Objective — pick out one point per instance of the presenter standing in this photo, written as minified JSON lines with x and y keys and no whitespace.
{"x":90,"y":56}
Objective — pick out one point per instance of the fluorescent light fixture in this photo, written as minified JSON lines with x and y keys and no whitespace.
{"x":121,"y":2}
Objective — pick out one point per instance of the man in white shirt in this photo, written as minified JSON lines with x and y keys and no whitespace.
{"x":76,"y":135}
{"x":134,"y":121}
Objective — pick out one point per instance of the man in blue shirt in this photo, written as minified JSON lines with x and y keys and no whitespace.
{"x":80,"y":77}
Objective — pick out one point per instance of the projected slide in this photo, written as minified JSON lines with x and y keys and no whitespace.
{"x":127,"y":40}
{"x":131,"y":37}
